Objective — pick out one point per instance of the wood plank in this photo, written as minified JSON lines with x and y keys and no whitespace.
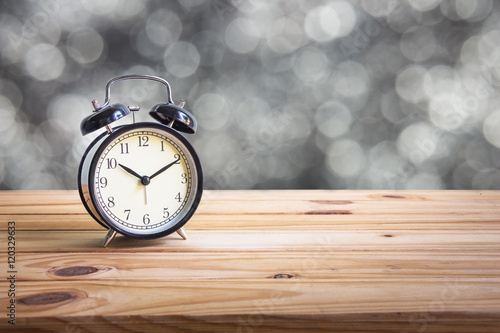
{"x":236,"y":297}
{"x":316,"y":210}
{"x":335,"y":266}
{"x":269,"y":241}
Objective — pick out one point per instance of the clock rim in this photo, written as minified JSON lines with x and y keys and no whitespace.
{"x":103,"y":141}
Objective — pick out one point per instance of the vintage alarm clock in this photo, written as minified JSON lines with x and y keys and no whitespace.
{"x":142,"y":180}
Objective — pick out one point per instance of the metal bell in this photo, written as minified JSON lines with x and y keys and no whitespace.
{"x":174,"y":116}
{"x":103,"y":117}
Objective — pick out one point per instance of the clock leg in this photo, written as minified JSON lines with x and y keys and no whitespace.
{"x":109,"y":237}
{"x":182,"y":233}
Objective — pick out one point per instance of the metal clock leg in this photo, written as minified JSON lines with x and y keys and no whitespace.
{"x":182,"y":233}
{"x":109,"y":237}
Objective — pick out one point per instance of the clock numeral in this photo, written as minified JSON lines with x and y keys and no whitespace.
{"x":178,"y":197}
{"x":145,"y":219}
{"x":184,"y":178}
{"x":143,"y":141}
{"x":103,"y":181}
{"x":166,"y":214}
{"x":124,"y":148}
{"x":111,"y":202}
{"x":127,"y":211}
{"x":112,"y":163}
{"x":177,"y":156}
{"x":162,"y":148}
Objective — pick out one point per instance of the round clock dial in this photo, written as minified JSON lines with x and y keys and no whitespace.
{"x":144,"y":180}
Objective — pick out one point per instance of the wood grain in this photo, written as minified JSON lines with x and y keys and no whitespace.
{"x":264,"y":261}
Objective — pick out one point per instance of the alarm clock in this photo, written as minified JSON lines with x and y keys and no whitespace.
{"x":142,"y":180}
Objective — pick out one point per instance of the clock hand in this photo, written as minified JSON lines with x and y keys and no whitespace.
{"x":144,"y":179}
{"x":132,"y":172}
{"x":164,"y":168}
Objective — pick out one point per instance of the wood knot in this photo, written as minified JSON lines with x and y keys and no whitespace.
{"x":47,"y":298}
{"x":388,"y":235}
{"x":281,"y":276}
{"x":394,"y":196}
{"x":75,"y":271}
{"x":332,"y":202}
{"x":329,"y":212}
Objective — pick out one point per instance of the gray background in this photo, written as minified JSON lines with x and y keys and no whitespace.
{"x":287,"y":94}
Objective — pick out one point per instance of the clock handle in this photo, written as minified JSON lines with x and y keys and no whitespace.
{"x":132,"y":77}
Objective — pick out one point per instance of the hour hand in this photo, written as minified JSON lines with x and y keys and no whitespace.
{"x":164,"y":168}
{"x":132,"y":172}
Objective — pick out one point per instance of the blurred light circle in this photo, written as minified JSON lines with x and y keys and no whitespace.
{"x":191,"y":3}
{"x":181,"y":59}
{"x":333,"y":119}
{"x":85,"y":45}
{"x":346,"y":158}
{"x":477,"y":154}
{"x":242,"y":35}
{"x":463,"y":176}
{"x":441,"y":79}
{"x":351,"y":79}
{"x":403,"y":17}
{"x":252,"y":114}
{"x":324,"y":23}
{"x":424,"y":5}
{"x":163,"y":27}
{"x":380,"y":8}
{"x":50,"y":31}
{"x":65,"y":14}
{"x":216,"y":151}
{"x":127,"y":9}
{"x":311,"y":65}
{"x":51,"y":137}
{"x":60,"y":106}
{"x":469,"y":53}
{"x":489,"y":48}
{"x":44,"y":62}
{"x":10,"y":89}
{"x":40,"y":181}
{"x":2,"y":170}
{"x":292,"y":125}
{"x":284,"y":36}
{"x":417,"y":143}
{"x":409,"y":83}
{"x":389,"y":106}
{"x":212,"y":111}
{"x":424,"y":181}
{"x":100,"y":7}
{"x":487,"y":179}
{"x":143,"y":44}
{"x":7,"y":114}
{"x":418,"y":44}
{"x":448,"y":112}
{"x":11,"y":39}
{"x":210,"y":46}
{"x":491,"y":128}
{"x":473,"y":10}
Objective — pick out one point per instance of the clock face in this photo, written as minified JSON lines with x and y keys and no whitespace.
{"x":145,"y":180}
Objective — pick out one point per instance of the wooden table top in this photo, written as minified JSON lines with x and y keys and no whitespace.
{"x":277,"y":261}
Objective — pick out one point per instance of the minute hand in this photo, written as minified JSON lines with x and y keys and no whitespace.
{"x":164,"y":168}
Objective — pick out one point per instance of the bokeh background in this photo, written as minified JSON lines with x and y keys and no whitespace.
{"x":396,"y":94}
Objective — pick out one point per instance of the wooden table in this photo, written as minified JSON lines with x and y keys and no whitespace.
{"x":356,"y":261}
